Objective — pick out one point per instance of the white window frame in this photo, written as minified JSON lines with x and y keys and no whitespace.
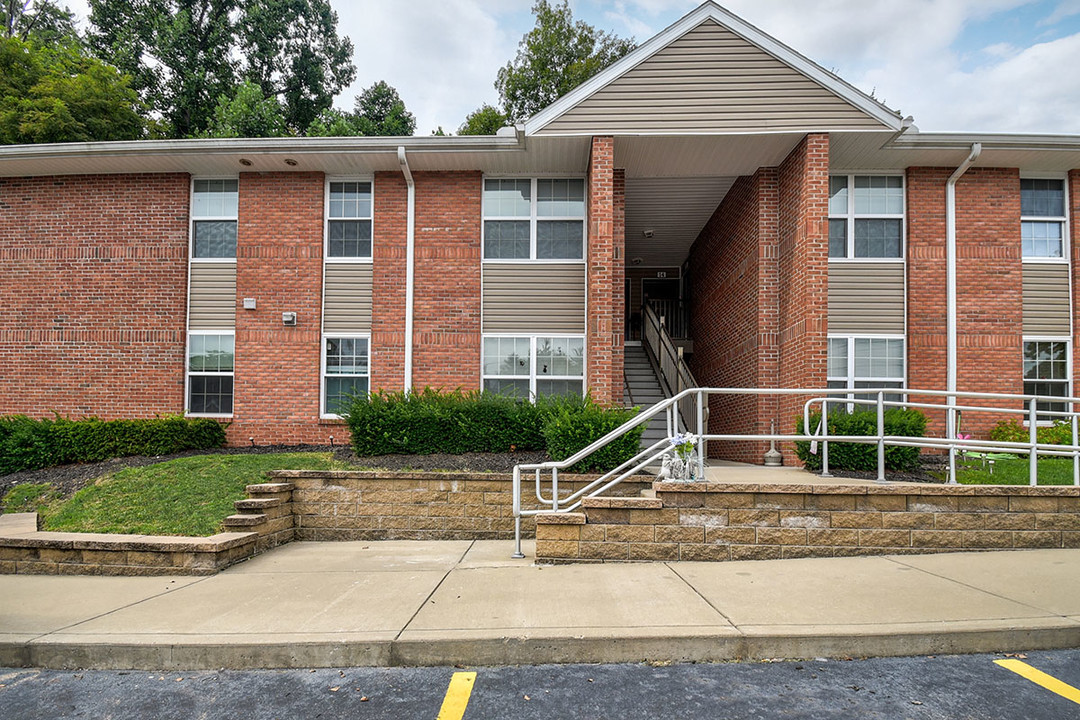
{"x":1063,"y":220}
{"x":1068,"y":367}
{"x":326,"y":222}
{"x":851,"y":378}
{"x":192,"y":219}
{"x":188,"y":373}
{"x":533,"y":220}
{"x":322,"y":368}
{"x":533,"y":377}
{"x":850,"y":217}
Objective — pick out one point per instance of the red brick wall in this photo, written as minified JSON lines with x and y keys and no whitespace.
{"x":279,"y":255}
{"x":1073,"y":190}
{"x":446,"y":316}
{"x":388,"y":233}
{"x":989,"y":286}
{"x":603,"y":338}
{"x":93,"y":285}
{"x":803,"y":266}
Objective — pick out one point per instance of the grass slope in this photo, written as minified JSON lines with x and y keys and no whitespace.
{"x":186,"y":496}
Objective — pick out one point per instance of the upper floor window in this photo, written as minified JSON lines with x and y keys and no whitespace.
{"x":866,"y":216}
{"x":348,"y":223}
{"x":213,"y":218}
{"x":535,"y":219}
{"x":1042,"y":218}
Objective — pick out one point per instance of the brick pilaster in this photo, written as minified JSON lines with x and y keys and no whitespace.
{"x":604,"y":260}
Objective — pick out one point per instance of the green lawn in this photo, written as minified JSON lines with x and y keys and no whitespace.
{"x":187,"y":496}
{"x":1052,"y":471}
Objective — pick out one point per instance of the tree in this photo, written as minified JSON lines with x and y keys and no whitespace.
{"x":381,"y":111}
{"x":294,"y":53}
{"x":485,"y":120}
{"x":56,"y":94}
{"x":247,"y":114}
{"x":186,"y":54}
{"x":43,"y":22}
{"x":333,"y":123}
{"x":553,"y":58}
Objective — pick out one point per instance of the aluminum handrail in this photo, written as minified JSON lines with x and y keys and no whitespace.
{"x":824,"y":397}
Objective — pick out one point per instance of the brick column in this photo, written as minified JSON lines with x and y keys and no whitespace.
{"x":604,"y":260}
{"x":389,"y":234}
{"x":446,"y":316}
{"x":279,"y":263}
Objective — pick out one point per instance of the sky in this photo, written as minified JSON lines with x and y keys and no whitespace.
{"x":955,"y":65}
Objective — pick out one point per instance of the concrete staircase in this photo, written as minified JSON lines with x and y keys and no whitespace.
{"x":643,"y":389}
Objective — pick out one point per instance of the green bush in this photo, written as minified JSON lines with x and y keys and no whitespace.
{"x":1060,"y":433}
{"x":429,"y":421}
{"x":863,"y":456}
{"x":569,"y":431}
{"x":27,"y":444}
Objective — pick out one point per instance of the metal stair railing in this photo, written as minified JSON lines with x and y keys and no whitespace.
{"x":671,"y":409}
{"x":675,"y":374}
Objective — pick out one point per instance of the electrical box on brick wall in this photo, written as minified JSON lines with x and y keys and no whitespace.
{"x":288,"y":318}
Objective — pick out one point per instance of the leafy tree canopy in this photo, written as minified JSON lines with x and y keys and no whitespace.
{"x":55,"y":94}
{"x":43,"y":22}
{"x":247,"y":114}
{"x":485,"y":120}
{"x":186,"y":54}
{"x":553,"y":58}
{"x":381,"y":111}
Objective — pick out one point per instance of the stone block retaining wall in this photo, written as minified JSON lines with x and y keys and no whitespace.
{"x":711,"y":521}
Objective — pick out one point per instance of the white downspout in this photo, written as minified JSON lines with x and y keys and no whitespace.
{"x":410,"y":262}
{"x":950,"y":299}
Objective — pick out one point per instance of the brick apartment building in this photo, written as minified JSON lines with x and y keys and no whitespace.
{"x":803,"y":227}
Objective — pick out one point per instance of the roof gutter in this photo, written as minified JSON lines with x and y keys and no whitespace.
{"x":410,"y":264}
{"x":950,"y":283}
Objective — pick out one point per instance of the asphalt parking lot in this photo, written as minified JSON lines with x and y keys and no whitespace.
{"x":953,"y":687}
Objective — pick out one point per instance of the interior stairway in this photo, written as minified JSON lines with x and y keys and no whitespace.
{"x":643,"y":389}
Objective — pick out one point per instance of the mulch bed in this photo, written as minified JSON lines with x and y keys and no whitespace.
{"x":68,"y":479}
{"x":932,"y":469}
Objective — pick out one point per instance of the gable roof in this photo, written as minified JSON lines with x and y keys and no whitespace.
{"x":712,"y":73}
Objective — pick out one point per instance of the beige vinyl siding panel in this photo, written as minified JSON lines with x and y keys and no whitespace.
{"x":347,"y":297}
{"x":1046,"y":299}
{"x":534,"y":297}
{"x":711,"y":80}
{"x":212,"y":302}
{"x":866,"y":298}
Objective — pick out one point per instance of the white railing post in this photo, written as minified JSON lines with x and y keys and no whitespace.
{"x":701,"y":434}
{"x":950,"y":429}
{"x":1076,"y":453}
{"x":517,"y":514}
{"x":881,"y":436}
{"x":825,"y":434}
{"x":555,"y":489}
{"x":1033,"y":457}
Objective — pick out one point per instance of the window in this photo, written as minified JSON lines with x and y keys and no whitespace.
{"x":210,"y":373}
{"x":1042,"y":218}
{"x":537,"y":219}
{"x":861,"y":362}
{"x":866,"y":216}
{"x":348,"y":222}
{"x":213,"y":219}
{"x":345,"y":372}
{"x":1046,"y":372}
{"x":533,"y":366}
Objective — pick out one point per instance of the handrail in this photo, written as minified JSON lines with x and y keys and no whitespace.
{"x":670,"y":408}
{"x":674,"y":372}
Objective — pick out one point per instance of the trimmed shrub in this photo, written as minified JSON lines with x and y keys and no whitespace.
{"x":429,"y":421}
{"x":863,"y":456}
{"x":28,"y":444}
{"x":1060,"y":433}
{"x":569,"y":431}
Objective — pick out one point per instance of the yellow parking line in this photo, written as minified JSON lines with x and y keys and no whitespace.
{"x":1040,"y":678}
{"x":457,"y":696}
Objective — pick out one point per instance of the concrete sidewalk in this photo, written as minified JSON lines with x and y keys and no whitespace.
{"x":444,"y":603}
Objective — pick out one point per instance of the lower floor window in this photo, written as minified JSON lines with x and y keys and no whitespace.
{"x":530,"y":366}
{"x":866,"y":362}
{"x":210,"y":373}
{"x":1046,"y":372}
{"x":346,"y":372}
